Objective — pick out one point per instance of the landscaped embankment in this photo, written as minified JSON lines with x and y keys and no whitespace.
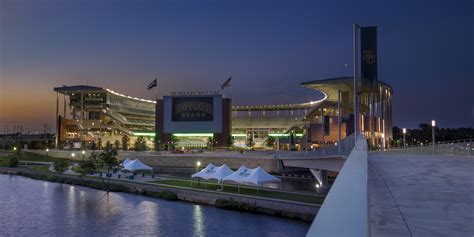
{"x":289,"y":209}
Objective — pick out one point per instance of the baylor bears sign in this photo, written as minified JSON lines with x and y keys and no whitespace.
{"x":189,"y":109}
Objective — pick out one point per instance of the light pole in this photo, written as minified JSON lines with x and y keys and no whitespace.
{"x":72,"y":156}
{"x":198,"y":164}
{"x":278,"y":140}
{"x":433,"y":125}
{"x":83,"y":155}
{"x":47,"y":151}
{"x":404,"y":140}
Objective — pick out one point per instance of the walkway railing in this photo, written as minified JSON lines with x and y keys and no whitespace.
{"x":343,"y":149}
{"x":345,"y":208}
{"x":457,"y":147}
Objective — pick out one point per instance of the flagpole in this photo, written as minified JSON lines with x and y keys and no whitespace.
{"x":156,"y":91}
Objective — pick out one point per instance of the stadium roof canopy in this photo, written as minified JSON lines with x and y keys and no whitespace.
{"x":331,"y":86}
{"x":77,"y":88}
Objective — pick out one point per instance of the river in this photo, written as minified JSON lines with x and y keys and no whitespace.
{"x":38,"y":208}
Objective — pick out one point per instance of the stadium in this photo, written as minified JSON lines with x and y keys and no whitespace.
{"x":94,"y":117}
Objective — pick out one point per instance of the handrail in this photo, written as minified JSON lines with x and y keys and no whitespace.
{"x":344,"y":211}
{"x":463,"y":147}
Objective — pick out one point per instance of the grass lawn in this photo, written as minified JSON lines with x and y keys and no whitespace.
{"x":43,"y":168}
{"x":26,"y":156}
{"x":244,"y":190}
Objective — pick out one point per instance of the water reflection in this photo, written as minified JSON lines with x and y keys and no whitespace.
{"x":198,"y":219}
{"x":37,"y":208}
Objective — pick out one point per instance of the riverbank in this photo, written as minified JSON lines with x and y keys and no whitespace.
{"x":269,"y":206}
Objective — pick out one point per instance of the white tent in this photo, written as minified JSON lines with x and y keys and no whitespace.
{"x":206,"y":172}
{"x":257,"y":176}
{"x":136,"y":165}
{"x":239,"y":176}
{"x":221,"y":172}
{"x":125,"y":162}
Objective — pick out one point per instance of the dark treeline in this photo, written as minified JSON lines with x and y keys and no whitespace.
{"x":423,"y":134}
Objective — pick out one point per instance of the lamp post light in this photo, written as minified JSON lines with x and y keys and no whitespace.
{"x":72,"y":156}
{"x":404,"y":140}
{"x":83,"y":155}
{"x":433,"y":125}
{"x":47,"y":151}
{"x":278,"y":140}
{"x":198,"y":164}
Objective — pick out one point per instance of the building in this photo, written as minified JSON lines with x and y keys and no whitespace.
{"x":93,"y":115}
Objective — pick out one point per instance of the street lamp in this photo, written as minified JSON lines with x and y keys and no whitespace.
{"x":47,"y":151}
{"x":72,"y":156}
{"x":433,"y":125}
{"x":83,"y":155}
{"x":404,"y":140}
{"x":198,"y":164}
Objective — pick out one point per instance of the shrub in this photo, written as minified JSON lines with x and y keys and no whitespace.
{"x":235,"y":205}
{"x":60,"y":166}
{"x":166,"y":195}
{"x":13,"y":161}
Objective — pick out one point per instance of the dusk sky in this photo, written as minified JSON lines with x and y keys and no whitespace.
{"x":268,"y":47}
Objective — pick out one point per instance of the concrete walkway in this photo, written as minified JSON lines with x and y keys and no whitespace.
{"x":421,"y":195}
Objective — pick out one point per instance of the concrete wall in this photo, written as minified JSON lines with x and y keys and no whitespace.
{"x":176,"y":162}
{"x":183,"y":161}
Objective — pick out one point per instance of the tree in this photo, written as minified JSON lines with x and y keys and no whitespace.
{"x":116,"y":145}
{"x":230,"y":141}
{"x":270,"y":141}
{"x":174,"y":142}
{"x":250,"y":143}
{"x":60,"y":166}
{"x":125,"y":142}
{"x":99,"y":143}
{"x":94,"y":146}
{"x":140,"y":144}
{"x":108,"y":145}
{"x":211,"y":143}
{"x":97,"y":162}
{"x":88,"y":165}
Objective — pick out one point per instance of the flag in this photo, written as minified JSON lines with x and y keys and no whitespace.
{"x":226,"y":83}
{"x":152,"y":84}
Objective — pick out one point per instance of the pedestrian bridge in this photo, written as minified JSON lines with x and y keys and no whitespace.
{"x":401,"y":193}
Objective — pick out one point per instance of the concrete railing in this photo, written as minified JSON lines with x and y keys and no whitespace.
{"x":345,"y":208}
{"x":457,"y":147}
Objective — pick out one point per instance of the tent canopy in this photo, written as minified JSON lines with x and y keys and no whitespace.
{"x":221,"y":172}
{"x":125,"y":162}
{"x":136,"y":165}
{"x":257,"y":176}
{"x":206,"y":172}
{"x":240,"y":175}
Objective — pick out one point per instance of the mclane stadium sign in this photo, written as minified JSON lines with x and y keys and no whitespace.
{"x":195,"y":93}
{"x":189,"y":109}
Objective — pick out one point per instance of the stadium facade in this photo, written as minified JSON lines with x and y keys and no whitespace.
{"x":94,"y":116}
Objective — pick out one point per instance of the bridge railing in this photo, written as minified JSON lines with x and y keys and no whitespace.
{"x":458,"y":147}
{"x":345,"y":208}
{"x":343,"y":149}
